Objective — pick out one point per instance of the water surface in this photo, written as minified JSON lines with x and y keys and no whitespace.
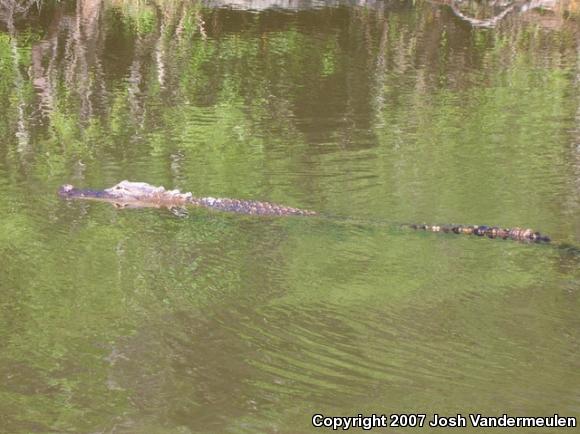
{"x":372,"y":113}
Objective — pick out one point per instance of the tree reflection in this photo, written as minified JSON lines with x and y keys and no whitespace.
{"x":489,"y":13}
{"x":10,"y":10}
{"x":178,"y":53}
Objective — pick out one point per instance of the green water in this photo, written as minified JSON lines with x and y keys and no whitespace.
{"x":142,"y":321}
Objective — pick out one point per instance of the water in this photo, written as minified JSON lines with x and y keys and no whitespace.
{"x":373,"y":114}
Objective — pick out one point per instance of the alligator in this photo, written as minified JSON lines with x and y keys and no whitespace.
{"x":141,"y":194}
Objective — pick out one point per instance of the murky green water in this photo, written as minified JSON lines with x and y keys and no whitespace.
{"x":141,"y":321}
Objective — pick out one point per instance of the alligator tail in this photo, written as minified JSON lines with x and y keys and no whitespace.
{"x":517,"y":234}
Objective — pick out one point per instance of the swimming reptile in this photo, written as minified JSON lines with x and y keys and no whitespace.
{"x":140,"y":194}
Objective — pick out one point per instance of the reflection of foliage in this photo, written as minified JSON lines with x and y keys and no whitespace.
{"x":169,"y":52}
{"x":490,"y":13}
{"x":138,"y":15}
{"x":280,"y":107}
{"x":5,"y":84}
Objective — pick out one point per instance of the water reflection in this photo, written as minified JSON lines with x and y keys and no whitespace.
{"x":372,"y":113}
{"x":78,"y":51}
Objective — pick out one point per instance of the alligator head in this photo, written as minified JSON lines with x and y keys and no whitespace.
{"x":129,"y":194}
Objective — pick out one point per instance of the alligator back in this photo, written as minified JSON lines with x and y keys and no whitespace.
{"x":251,"y":207}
